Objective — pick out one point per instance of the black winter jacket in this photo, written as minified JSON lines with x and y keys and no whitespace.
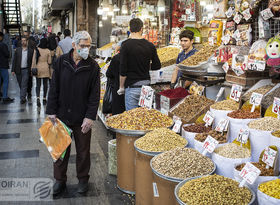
{"x":16,"y":67}
{"x":4,"y":56}
{"x":74,"y":92}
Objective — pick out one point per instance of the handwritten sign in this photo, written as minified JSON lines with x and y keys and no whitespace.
{"x":208,"y":118}
{"x":249,"y":174}
{"x":209,"y":145}
{"x":276,"y":106}
{"x":235,"y":93}
{"x":146,"y":97}
{"x":269,"y":156}
{"x":243,"y":136}
{"x":222,"y":125}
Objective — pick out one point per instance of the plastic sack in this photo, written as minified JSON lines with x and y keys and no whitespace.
{"x":275,"y":141}
{"x":189,"y":136}
{"x":55,"y":137}
{"x":259,"y":140}
{"x":257,"y":51}
{"x":107,"y":100}
{"x":219,"y":115}
{"x":112,"y":157}
{"x":225,"y":165}
{"x":255,"y":185}
{"x":264,"y":199}
{"x":235,"y":125}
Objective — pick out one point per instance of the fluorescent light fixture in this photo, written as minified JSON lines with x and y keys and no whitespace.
{"x":161,"y":5}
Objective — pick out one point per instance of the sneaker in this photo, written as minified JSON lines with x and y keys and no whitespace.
{"x":38,"y":102}
{"x":82,"y":187}
{"x":22,"y":101}
{"x":44,"y":101}
{"x":59,"y":188}
{"x":8,"y":100}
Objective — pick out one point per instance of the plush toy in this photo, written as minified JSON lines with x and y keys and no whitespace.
{"x":273,"y":53}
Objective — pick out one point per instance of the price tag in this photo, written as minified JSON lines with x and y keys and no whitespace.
{"x":146,"y":97}
{"x":211,"y":41}
{"x":267,"y":14}
{"x":229,"y":13}
{"x":164,"y":104}
{"x":269,"y":156}
{"x":243,"y":136}
{"x":226,"y":67}
{"x":177,"y":127}
{"x":249,"y":173}
{"x":276,"y":106}
{"x":237,"y":18}
{"x":236,"y":35}
{"x":221,"y":91}
{"x":246,"y":14}
{"x":201,"y":90}
{"x":256,"y":65}
{"x":208,"y":118}
{"x":155,"y":189}
{"x":235,"y":93}
{"x":238,"y":70}
{"x":209,"y":145}
{"x":226,"y":39}
{"x":255,"y":100}
{"x":222,"y":125}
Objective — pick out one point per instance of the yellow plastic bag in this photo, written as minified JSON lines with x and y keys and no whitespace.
{"x":55,"y":137}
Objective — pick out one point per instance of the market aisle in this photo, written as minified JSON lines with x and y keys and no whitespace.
{"x":23,"y":156}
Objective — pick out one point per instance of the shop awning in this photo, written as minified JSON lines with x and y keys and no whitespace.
{"x":61,"y":5}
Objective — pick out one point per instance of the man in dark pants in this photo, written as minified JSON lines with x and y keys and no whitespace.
{"x":4,"y":66}
{"x":74,"y":98}
{"x":21,"y":67}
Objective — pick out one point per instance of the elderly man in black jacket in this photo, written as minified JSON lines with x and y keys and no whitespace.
{"x":22,"y":67}
{"x":74,"y":98}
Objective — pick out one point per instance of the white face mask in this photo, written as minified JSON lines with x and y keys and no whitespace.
{"x":84,"y":52}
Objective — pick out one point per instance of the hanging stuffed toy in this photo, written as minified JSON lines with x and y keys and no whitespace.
{"x":273,"y":54}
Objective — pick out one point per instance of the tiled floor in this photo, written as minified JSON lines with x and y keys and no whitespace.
{"x":23,"y":156}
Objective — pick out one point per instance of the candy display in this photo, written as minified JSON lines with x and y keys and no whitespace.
{"x":182,"y":163}
{"x":191,"y":106}
{"x":214,"y":189}
{"x":160,"y":140}
{"x":168,"y":55}
{"x":139,"y":119}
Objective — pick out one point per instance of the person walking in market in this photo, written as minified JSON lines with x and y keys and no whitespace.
{"x":186,"y":41}
{"x":74,"y":99}
{"x":4,"y":66}
{"x":41,"y":61}
{"x":21,"y":67}
{"x":137,"y":57}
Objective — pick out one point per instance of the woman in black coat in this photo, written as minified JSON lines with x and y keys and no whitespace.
{"x":113,"y":72}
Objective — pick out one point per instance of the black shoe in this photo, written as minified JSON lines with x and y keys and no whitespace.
{"x":22,"y":101}
{"x":38,"y":102}
{"x":59,"y":188}
{"x":29,"y":96}
{"x":8,"y":100}
{"x":44,"y":101}
{"x":82,"y":187}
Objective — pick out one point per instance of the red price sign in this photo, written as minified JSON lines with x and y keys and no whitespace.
{"x":269,"y":156}
{"x":249,"y":173}
{"x":276,"y":106}
{"x":210,"y":144}
{"x":243,"y":136}
{"x":235,"y":93}
{"x":208,"y":118}
{"x":222,"y":125}
{"x":146,"y":97}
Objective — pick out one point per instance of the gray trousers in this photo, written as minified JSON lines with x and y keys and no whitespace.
{"x":23,"y":83}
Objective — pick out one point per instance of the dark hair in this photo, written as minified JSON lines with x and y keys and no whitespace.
{"x":31,"y":38}
{"x":67,"y":32}
{"x":1,"y":34}
{"x":43,"y":43}
{"x":24,"y":37}
{"x":135,"y":25}
{"x":59,"y":33}
{"x":186,"y":34}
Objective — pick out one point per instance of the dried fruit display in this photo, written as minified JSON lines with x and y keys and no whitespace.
{"x":182,"y":163}
{"x":139,"y":119}
{"x":168,"y":55}
{"x":244,"y":114}
{"x":197,"y":128}
{"x":268,"y":99}
{"x":221,"y":137}
{"x":260,"y":166}
{"x":233,"y":151}
{"x":226,"y":105}
{"x":266,"y":124}
{"x":214,"y":189}
{"x":262,"y":90}
{"x":160,"y":140}
{"x":191,"y":106}
{"x":201,"y":56}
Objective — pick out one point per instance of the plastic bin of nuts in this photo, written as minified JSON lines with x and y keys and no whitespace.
{"x":213,"y":189}
{"x":190,"y":108}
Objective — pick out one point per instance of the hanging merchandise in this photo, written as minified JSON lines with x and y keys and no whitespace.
{"x":244,"y":36}
{"x":220,"y":8}
{"x":215,"y":32}
{"x":177,"y":13}
{"x":229,"y":31}
{"x":256,"y":58}
{"x":275,"y":7}
{"x":273,"y":55}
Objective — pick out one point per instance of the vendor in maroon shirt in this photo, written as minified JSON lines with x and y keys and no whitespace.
{"x":186,"y":38}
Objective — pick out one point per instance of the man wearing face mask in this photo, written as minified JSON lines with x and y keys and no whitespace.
{"x":74,"y":98}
